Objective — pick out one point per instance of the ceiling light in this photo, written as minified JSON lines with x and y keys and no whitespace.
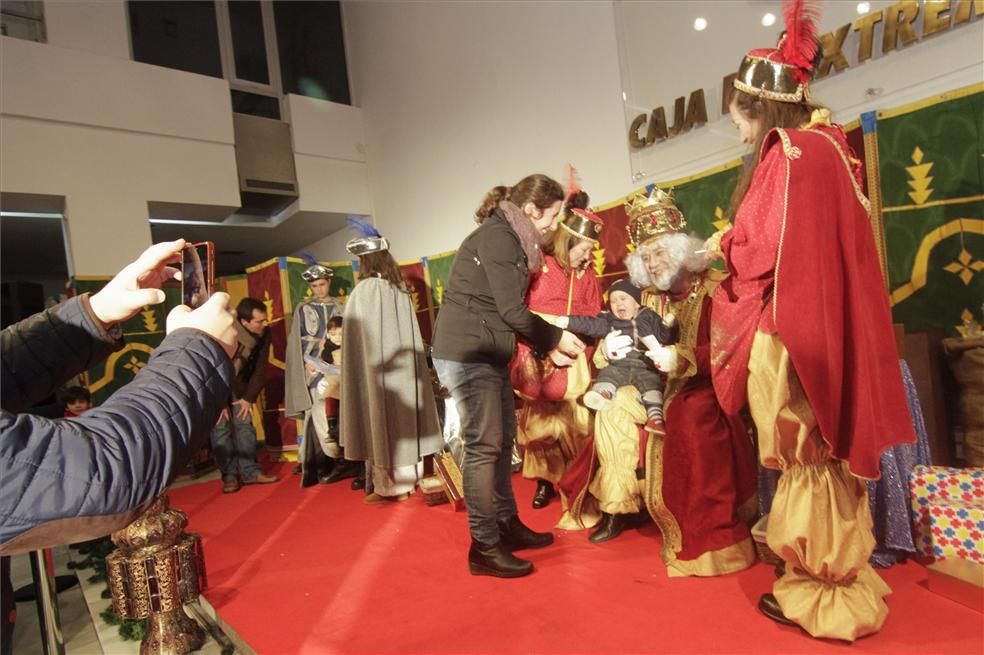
{"x":700,"y":24}
{"x":864,"y":7}
{"x":769,"y":20}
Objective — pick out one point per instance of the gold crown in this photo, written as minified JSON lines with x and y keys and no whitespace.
{"x":652,"y":216}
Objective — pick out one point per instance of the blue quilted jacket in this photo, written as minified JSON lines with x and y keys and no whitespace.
{"x":67,"y":480}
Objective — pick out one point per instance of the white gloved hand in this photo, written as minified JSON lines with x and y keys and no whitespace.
{"x":664,"y":358}
{"x":616,"y":345}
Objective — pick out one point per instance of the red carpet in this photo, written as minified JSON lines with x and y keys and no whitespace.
{"x":317,"y":571}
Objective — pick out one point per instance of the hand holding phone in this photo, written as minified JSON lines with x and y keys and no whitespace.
{"x":197,"y":275}
{"x":138,"y":284}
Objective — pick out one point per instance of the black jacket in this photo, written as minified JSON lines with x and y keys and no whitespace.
{"x":484,"y":303}
{"x":68,"y":480}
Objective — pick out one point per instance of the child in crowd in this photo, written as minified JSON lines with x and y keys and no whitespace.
{"x":76,"y":401}
{"x":646,"y":329}
{"x":332,"y":351}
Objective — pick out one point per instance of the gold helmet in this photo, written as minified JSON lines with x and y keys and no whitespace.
{"x":653,"y":215}
{"x":582,"y":223}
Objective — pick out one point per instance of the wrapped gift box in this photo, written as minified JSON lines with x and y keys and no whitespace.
{"x":948,"y":512}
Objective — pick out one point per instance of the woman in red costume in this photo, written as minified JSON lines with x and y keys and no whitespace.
{"x":801,"y":331}
{"x":552,"y":426}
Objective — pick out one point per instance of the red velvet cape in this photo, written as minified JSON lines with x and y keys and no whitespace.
{"x":825,"y":296}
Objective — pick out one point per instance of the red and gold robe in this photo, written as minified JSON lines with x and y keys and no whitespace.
{"x":552,"y":426}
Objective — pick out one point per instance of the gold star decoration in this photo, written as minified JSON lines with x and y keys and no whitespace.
{"x":134,"y":364}
{"x":965,"y":266}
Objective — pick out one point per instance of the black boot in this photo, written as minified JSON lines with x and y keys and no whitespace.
{"x":359,"y":482}
{"x":496,"y":561}
{"x":516,"y":536}
{"x":544,"y":492}
{"x":343,"y":469}
{"x":769,"y":606}
{"x":610,"y":527}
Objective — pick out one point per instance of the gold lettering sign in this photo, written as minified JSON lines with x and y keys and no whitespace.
{"x":899,"y":24}
{"x":833,"y":54}
{"x":899,"y":19}
{"x":935,"y":17}
{"x":866,"y":26}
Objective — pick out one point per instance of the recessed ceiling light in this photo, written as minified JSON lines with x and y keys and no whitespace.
{"x":700,"y":24}
{"x":864,"y":7}
{"x":769,"y":20}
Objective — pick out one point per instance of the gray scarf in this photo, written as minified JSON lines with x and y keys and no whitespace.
{"x":529,"y":237}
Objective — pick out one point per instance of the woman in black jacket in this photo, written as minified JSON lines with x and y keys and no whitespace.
{"x":474,"y":339}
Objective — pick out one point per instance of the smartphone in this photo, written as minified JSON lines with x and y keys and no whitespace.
{"x":197,"y":273}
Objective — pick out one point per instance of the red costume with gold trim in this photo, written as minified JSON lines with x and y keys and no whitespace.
{"x":802,"y":333}
{"x":552,"y":426}
{"x":804,"y":266}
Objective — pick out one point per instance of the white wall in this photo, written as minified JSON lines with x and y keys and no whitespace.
{"x":98,"y":27}
{"x":110,"y":134}
{"x":461,"y":96}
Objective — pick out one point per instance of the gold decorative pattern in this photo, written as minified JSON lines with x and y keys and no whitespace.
{"x":653,"y":215}
{"x":873,"y":168}
{"x":150,"y":319}
{"x":920,"y":265}
{"x":858,"y":193}
{"x":154,"y":571}
{"x":667,"y":523}
{"x":599,"y":259}
{"x":782,"y":236}
{"x":792,"y":152}
{"x":965,"y":266}
{"x":921,"y":178}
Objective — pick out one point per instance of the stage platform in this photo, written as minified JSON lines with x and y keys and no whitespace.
{"x":314,"y":570}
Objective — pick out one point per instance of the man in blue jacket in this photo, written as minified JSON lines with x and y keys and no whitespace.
{"x":68,"y":480}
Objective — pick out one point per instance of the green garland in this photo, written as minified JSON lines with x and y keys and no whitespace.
{"x":95,"y":552}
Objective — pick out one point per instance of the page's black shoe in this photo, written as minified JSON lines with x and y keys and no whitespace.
{"x":610,"y":527}
{"x":358,"y":483}
{"x":544,"y":492}
{"x":516,"y":536}
{"x":342,"y":470}
{"x":495,"y":560}
{"x":769,"y":606}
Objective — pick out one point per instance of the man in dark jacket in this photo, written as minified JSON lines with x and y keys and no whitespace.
{"x":234,"y":437}
{"x":68,"y":480}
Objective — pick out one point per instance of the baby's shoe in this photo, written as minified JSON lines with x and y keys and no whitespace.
{"x":598,"y":400}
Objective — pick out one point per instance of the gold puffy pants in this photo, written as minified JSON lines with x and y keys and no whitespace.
{"x":820,"y":523}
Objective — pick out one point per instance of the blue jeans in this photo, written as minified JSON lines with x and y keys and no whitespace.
{"x":234,"y":447}
{"x":484,"y":398}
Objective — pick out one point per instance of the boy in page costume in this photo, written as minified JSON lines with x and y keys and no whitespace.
{"x":308,"y":330}
{"x":802,"y":333}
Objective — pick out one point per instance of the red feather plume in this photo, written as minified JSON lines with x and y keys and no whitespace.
{"x":573,"y":187}
{"x":799,"y":45}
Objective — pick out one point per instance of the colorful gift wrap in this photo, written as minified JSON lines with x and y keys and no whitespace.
{"x":948,"y":512}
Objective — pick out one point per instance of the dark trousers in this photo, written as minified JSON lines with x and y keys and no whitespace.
{"x":483,"y":396}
